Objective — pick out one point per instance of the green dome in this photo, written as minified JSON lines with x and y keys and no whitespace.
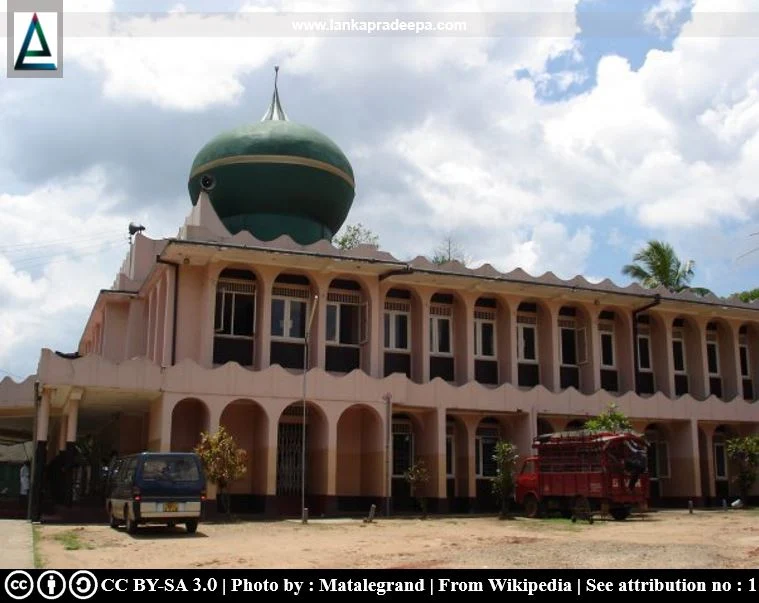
{"x":275,"y":177}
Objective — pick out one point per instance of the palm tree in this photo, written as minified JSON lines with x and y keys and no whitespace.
{"x":657,"y":264}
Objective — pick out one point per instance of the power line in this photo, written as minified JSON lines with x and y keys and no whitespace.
{"x":73,"y":256}
{"x":27,"y":247}
{"x":70,"y":251}
{"x":11,"y":374}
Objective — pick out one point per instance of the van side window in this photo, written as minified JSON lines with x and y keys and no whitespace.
{"x":128,"y":471}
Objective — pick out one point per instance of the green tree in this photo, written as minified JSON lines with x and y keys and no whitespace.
{"x":449,"y":251}
{"x":355,"y":235}
{"x":745,"y":451}
{"x":223,"y":462}
{"x":505,"y":457}
{"x":657,"y":264}
{"x":417,"y":477}
{"x":612,"y":419}
{"x":748,"y":296}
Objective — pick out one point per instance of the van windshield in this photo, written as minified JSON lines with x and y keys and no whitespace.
{"x":172,"y":469}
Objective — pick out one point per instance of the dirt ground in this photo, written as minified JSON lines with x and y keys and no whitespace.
{"x":662,"y":539}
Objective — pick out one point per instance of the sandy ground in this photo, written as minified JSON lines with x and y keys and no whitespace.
{"x":663,"y":539}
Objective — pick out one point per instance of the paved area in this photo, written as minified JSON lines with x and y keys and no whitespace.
{"x":17,"y":551}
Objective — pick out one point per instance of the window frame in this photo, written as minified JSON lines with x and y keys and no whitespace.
{"x":520,"y":343}
{"x":224,"y":293}
{"x":679,"y":337}
{"x":478,"y":324}
{"x":287,"y":317}
{"x":479,"y":441}
{"x":393,"y":339}
{"x":434,"y":339}
{"x":743,"y":346}
{"x":650,"y":367}
{"x":410,"y":432}
{"x":608,"y":332}
{"x":718,"y":372}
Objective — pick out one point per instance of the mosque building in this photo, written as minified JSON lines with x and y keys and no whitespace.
{"x":404,"y":360}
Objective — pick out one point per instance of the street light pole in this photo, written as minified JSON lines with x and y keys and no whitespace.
{"x":306,"y":338}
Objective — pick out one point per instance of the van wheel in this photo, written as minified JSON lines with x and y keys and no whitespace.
{"x":131,"y":523}
{"x":114,"y":523}
{"x":620,"y":513}
{"x":171,"y":524}
{"x":531,"y":506}
{"x":192,"y":526}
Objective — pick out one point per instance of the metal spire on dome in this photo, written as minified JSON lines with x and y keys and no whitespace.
{"x":275,"y":112}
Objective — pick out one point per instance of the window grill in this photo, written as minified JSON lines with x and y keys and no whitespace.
{"x":396,"y":306}
{"x":235,"y":286}
{"x":484,"y":314}
{"x":711,"y":337}
{"x":344,"y":297}
{"x":440,"y":310}
{"x":606,"y":327}
{"x":299,"y":292}
{"x":567,"y":324}
{"x":526,"y":320}
{"x":402,"y":426}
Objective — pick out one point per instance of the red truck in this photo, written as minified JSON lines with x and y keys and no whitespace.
{"x":582,"y":472}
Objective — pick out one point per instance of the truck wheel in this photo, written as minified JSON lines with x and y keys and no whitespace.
{"x":531,"y":506}
{"x":620,"y":513}
{"x":582,"y":510}
{"x":191,"y":525}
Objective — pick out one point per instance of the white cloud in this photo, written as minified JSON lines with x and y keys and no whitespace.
{"x":662,"y":16}
{"x":552,"y":248}
{"x":62,"y":243}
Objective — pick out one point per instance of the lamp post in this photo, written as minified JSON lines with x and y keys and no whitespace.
{"x":306,"y":338}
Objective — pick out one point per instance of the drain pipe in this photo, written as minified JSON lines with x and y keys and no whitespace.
{"x":159,"y":260}
{"x":635,"y":312}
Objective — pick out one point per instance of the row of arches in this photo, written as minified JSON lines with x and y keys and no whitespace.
{"x":492,"y":340}
{"x":347,"y":471}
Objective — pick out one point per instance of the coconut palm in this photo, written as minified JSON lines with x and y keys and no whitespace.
{"x":657,"y":264}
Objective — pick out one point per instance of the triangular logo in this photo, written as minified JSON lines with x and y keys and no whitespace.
{"x":34,"y":26}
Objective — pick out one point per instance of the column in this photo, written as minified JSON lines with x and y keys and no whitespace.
{"x":464,"y":350}
{"x":160,"y":308}
{"x":168,"y":334}
{"x":374,"y":345}
{"x":263,"y":322}
{"x":151,"y":327}
{"x":317,"y":355}
{"x":438,"y":466}
{"x":72,"y":421}
{"x":40,"y":456}
{"x":270,"y":506}
{"x":695,"y":461}
{"x":591,"y":374}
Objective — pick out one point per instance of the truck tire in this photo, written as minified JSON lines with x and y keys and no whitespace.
{"x":581,"y":510}
{"x":620,"y":513}
{"x":532,"y":506}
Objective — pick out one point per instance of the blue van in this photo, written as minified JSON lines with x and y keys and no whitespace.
{"x":155,"y":488}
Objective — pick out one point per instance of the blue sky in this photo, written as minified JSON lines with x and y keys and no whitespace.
{"x":562,"y":152}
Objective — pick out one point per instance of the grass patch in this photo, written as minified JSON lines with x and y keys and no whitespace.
{"x":71,"y":541}
{"x":39,"y":562}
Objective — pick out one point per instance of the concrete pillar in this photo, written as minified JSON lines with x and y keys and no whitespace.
{"x":711,"y":473}
{"x":263,"y":321}
{"x":731,"y":367}
{"x":549,"y":354}
{"x":463,"y":323}
{"x":151,"y":326}
{"x":167,"y":337}
{"x":374,"y":345}
{"x":590,"y":375}
{"x":438,"y":467}
{"x":72,"y":421}
{"x":331,"y":453}
{"x":471,"y":433}
{"x":167,"y":407}
{"x":506,"y":340}
{"x":318,"y":352}
{"x":695,"y":463}
{"x":424,"y":335}
{"x":40,"y":455}
{"x":159,"y":322}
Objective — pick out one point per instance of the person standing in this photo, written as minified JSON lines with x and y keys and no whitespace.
{"x":24,"y":483}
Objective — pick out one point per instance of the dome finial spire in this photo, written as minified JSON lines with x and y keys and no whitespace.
{"x":275,"y":111}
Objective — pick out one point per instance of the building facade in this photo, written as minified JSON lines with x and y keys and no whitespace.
{"x":252,"y":320}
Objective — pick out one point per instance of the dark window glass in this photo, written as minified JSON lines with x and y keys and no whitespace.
{"x":607,"y":349}
{"x":349,"y":323}
{"x":744,"y":360}
{"x":297,"y":319}
{"x":487,"y":339}
{"x":711,"y":357}
{"x":331,"y":322}
{"x":387,"y":330}
{"x":243,"y":314}
{"x":568,"y":346}
{"x":720,"y":466}
{"x":449,"y":455}
{"x":402,"y":449}
{"x":678,"y":354}
{"x":278,"y":317}
{"x":644,"y":354}
{"x":401,"y":331}
{"x":528,"y":339}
